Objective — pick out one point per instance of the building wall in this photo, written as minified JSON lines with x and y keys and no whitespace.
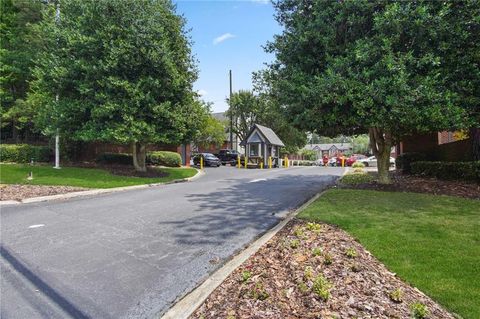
{"x":430,"y":145}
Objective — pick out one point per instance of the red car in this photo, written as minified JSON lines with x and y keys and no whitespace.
{"x":355,"y":157}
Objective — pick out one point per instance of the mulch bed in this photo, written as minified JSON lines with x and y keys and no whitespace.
{"x":19,"y":192}
{"x":410,"y":183}
{"x":278,"y":281}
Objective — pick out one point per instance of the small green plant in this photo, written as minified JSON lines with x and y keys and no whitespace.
{"x":302,"y":287}
{"x":419,"y":310}
{"x":321,"y":287}
{"x":259,"y":292}
{"x":294,"y":243}
{"x":246,"y":275}
{"x":316,"y":228}
{"x":355,"y":267}
{"x":317,"y":251}
{"x":327,"y":259}
{"x":298,"y":232}
{"x":351,"y":253}
{"x":308,"y":273}
{"x":396,"y":295}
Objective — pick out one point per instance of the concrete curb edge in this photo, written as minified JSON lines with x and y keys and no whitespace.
{"x":187,"y":305}
{"x":98,"y":191}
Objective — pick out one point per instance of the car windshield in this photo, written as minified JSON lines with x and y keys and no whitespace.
{"x":209,"y":155}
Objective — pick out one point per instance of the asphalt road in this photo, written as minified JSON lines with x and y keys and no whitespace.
{"x":132,"y":254}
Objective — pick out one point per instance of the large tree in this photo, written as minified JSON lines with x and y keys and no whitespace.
{"x":19,"y":45}
{"x":365,"y":66}
{"x":117,"y":71}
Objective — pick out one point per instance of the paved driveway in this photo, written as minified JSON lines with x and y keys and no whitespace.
{"x":132,"y":254}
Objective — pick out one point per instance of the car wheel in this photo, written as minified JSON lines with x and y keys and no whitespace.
{"x":366,"y":164}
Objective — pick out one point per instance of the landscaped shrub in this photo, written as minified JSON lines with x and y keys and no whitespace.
{"x":24,"y":153}
{"x":404,"y":161}
{"x":115,"y":158}
{"x":164,"y":158}
{"x":358,"y":165}
{"x":448,"y":170}
{"x":356,"y":178}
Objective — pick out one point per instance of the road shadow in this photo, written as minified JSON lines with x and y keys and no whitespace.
{"x":48,"y":291}
{"x":242,"y":205}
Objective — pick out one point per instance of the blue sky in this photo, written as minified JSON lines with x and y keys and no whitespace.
{"x":228,"y":35}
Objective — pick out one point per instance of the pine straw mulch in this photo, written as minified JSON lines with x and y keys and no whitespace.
{"x":278,"y":281}
{"x":19,"y":192}
{"x":418,"y":184}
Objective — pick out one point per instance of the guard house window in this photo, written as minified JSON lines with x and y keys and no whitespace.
{"x":254,"y":149}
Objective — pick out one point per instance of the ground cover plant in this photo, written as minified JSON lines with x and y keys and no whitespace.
{"x":84,"y":177}
{"x":429,"y":241}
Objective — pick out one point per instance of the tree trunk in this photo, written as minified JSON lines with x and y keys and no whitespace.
{"x":381,"y":144}
{"x":475,"y":136}
{"x":139,"y":156}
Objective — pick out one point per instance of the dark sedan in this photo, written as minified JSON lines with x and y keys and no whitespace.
{"x":208,"y":160}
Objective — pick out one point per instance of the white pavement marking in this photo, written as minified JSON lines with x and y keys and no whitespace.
{"x":258,"y":180}
{"x":36,"y":226}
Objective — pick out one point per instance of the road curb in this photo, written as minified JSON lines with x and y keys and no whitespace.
{"x":98,"y":191}
{"x":187,"y":305}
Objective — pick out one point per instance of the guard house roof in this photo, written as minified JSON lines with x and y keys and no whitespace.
{"x":266,"y":133}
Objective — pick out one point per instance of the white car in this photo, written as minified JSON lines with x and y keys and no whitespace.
{"x":332,"y":161}
{"x":372,"y":161}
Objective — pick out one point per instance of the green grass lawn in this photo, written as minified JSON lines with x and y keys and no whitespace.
{"x":432,"y":242}
{"x":82,"y":177}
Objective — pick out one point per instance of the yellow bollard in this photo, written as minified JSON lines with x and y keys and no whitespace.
{"x":261,"y":164}
{"x":201,"y":162}
{"x":246,"y":160}
{"x":238,"y":162}
{"x":343,"y":162}
{"x":269,"y":162}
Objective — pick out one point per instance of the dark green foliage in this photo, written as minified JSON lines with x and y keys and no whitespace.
{"x":115,"y":158}
{"x":19,"y":46}
{"x":24,"y":153}
{"x":448,"y":170}
{"x":404,"y":160}
{"x":165,"y":158}
{"x":383,"y":67}
{"x":123,"y":72}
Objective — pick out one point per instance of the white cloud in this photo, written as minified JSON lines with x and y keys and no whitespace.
{"x":222,"y":38}
{"x":202,"y":92}
{"x":261,"y":1}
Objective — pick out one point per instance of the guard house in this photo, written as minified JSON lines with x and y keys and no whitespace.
{"x":260,"y":144}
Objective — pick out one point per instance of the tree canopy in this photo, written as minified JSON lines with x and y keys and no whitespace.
{"x":18,"y":49}
{"x":122,"y":71}
{"x":349,"y":67}
{"x":250,"y":108}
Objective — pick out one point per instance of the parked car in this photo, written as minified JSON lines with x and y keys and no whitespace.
{"x":332,"y":161}
{"x":372,"y":161}
{"x":208,"y":159}
{"x":355,"y":157}
{"x":229,"y":156}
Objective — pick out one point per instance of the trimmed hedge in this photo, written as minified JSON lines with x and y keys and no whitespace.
{"x":448,"y":170}
{"x":404,"y":161}
{"x":165,"y":158}
{"x":115,"y":158}
{"x":24,"y":153}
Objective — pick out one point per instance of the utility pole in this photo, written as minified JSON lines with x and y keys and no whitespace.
{"x":231,"y":115}
{"x":57,"y":134}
